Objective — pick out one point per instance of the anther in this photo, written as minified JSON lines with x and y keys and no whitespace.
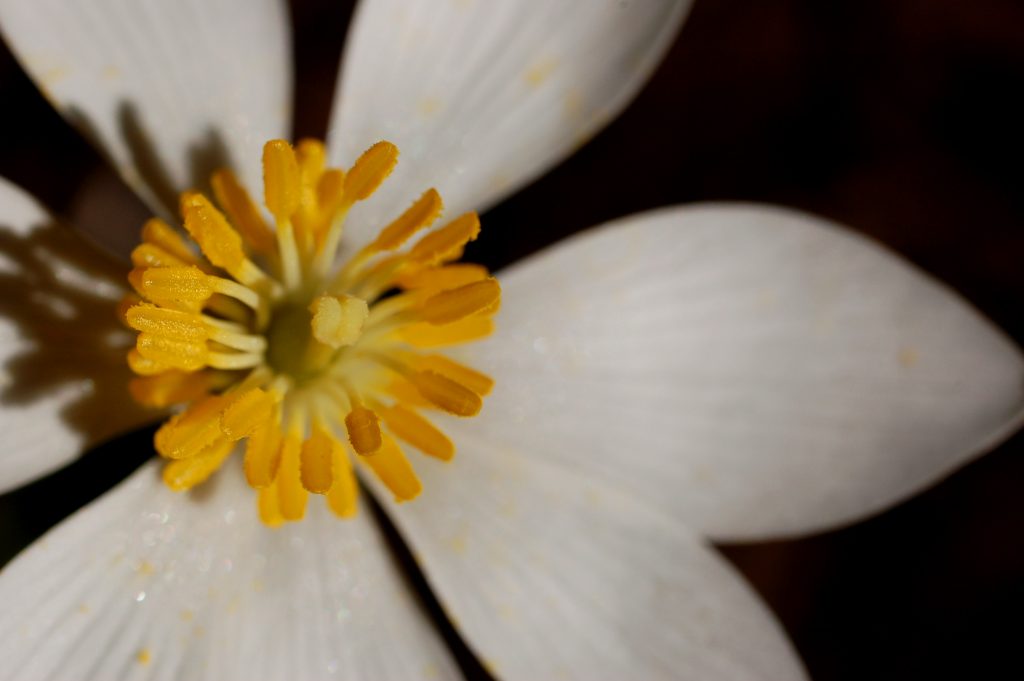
{"x":363,"y":430}
{"x":452,"y":305}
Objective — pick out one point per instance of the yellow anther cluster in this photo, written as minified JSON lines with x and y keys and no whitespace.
{"x":264,"y":339}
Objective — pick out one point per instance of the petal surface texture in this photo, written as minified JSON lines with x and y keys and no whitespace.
{"x":752,"y":371}
{"x":63,"y":374}
{"x":147,"y":584}
{"x":551,"y":577}
{"x":168,"y":90}
{"x":483,"y":97}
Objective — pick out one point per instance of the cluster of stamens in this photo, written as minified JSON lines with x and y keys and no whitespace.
{"x":266,"y":339}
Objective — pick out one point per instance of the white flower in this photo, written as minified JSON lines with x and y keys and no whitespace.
{"x":685,"y":375}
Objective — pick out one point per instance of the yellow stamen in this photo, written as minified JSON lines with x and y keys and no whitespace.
{"x":370,"y":170}
{"x":441,"y":278}
{"x":317,"y":461}
{"x":447,"y":394}
{"x":244,"y":214}
{"x":479,"y":383}
{"x":363,"y":430}
{"x":148,"y":255}
{"x":185,"y":474}
{"x":145,"y":367}
{"x":417,"y":431}
{"x":448,"y":242}
{"x":248,"y":413}
{"x":158,"y":233}
{"x":178,"y":284}
{"x":419,"y":216}
{"x":265,"y":339}
{"x":395,"y":471}
{"x":192,"y":431}
{"x":281,"y":188}
{"x":282,"y":193}
{"x":270,"y":508}
{"x":312,"y":159}
{"x":177,"y":354}
{"x":463,"y":331}
{"x":263,"y":454}
{"x":219,"y":241}
{"x":455,"y":304}
{"x":169,"y":387}
{"x":344,"y":493}
{"x":291,"y":495}
{"x":175,"y":324}
{"x":330,"y":192}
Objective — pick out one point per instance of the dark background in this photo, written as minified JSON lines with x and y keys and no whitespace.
{"x":900,"y":118}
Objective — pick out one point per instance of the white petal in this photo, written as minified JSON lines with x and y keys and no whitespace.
{"x":482,"y":97}
{"x":169,"y":90}
{"x":63,"y":376}
{"x":196,"y":584}
{"x":751,"y":371}
{"x":550,"y":577}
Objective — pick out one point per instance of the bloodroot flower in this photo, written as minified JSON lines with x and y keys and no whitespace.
{"x":670,"y":379}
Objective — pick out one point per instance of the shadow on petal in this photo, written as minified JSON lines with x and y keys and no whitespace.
{"x":145,"y":170}
{"x":59,"y":300}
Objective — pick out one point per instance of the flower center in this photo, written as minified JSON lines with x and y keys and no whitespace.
{"x":261,"y":337}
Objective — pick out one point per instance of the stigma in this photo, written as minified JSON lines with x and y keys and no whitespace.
{"x":265,"y":342}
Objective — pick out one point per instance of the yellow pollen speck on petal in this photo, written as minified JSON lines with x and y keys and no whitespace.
{"x":143,"y":657}
{"x":338,"y":320}
{"x":363,"y":430}
{"x":908,"y":357}
{"x":539,"y":72}
{"x":428,"y":106}
{"x":370,"y":170}
{"x":263,"y":340}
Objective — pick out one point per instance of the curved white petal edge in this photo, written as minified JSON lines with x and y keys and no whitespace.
{"x":750,"y":371}
{"x":483,"y":97}
{"x":168,"y":90}
{"x":551,"y":576}
{"x":148,"y":584}
{"x":63,"y":375}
